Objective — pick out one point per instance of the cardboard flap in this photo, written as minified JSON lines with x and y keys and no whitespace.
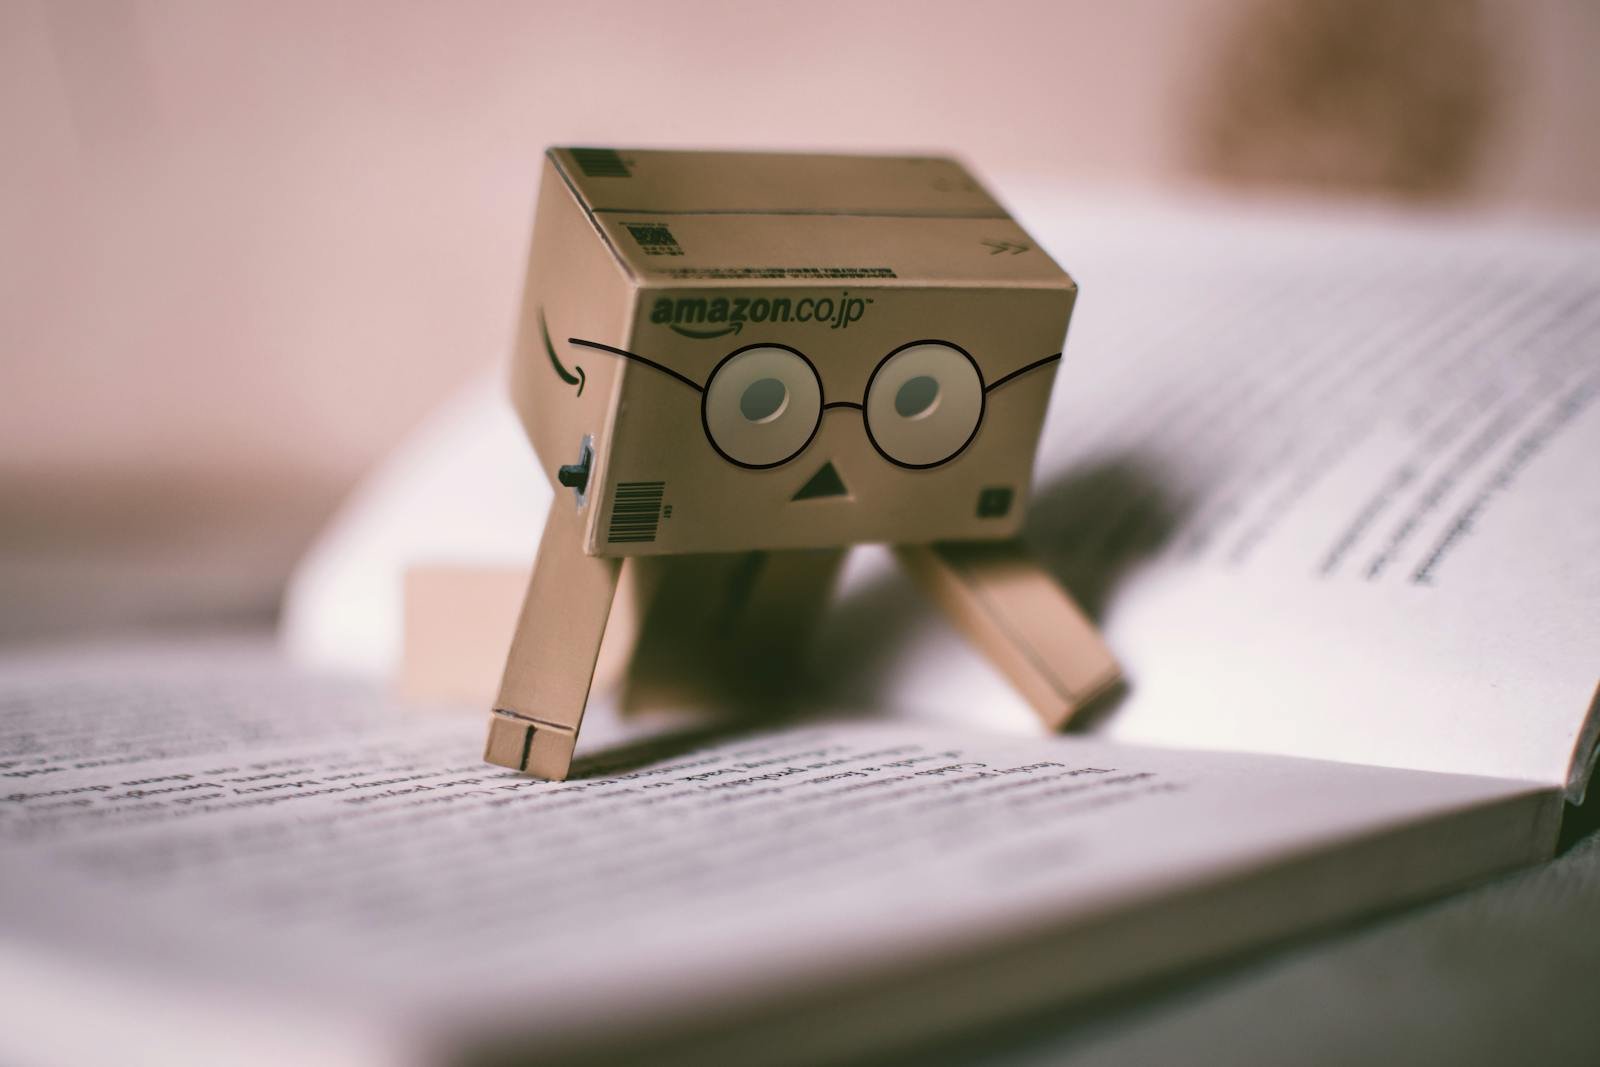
{"x":745,"y":250}
{"x":662,"y":182}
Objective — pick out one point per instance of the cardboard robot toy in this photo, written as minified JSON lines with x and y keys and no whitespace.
{"x":734,"y":366}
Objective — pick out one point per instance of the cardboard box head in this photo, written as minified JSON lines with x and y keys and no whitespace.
{"x":732,"y":351}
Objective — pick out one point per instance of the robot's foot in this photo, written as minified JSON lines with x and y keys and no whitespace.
{"x":542,"y":749}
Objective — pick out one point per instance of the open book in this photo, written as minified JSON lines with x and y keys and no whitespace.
{"x":1330,"y":488}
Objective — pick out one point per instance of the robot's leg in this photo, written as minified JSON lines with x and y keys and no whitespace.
{"x":1007,"y":605}
{"x":724,"y":632}
{"x":551,"y":663}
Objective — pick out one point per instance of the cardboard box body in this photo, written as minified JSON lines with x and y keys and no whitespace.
{"x":691,"y":261}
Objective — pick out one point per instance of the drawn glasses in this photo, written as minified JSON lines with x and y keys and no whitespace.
{"x":763,"y":404}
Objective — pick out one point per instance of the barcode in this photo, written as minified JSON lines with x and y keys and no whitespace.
{"x":600,"y":163}
{"x":654,"y":238}
{"x":635,"y":511}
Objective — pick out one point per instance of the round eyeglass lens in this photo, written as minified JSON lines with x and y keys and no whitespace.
{"x":762,"y":406}
{"x":924,"y":403}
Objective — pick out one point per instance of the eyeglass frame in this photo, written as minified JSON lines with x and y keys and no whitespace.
{"x":984,"y":389}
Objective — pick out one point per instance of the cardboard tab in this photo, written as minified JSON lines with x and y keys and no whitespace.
{"x":624,"y":180}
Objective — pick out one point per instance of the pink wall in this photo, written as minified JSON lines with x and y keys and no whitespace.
{"x":246,"y":245}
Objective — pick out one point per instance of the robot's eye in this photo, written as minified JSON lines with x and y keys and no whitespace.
{"x":762,"y":406}
{"x":924,"y":403}
{"x":764,"y":399}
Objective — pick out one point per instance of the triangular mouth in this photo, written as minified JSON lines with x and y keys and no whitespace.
{"x":825,"y":483}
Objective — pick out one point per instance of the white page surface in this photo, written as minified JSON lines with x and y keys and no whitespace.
{"x":1334,"y":491}
{"x":208,"y":815}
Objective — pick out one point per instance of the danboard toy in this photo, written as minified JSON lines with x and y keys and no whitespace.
{"x":734,"y":366}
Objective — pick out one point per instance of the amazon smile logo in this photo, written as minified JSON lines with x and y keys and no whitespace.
{"x":707,"y":317}
{"x":562,"y":372}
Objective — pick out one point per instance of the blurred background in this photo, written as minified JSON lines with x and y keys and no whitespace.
{"x":247,"y":246}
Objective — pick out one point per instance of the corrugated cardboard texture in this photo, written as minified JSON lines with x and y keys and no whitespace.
{"x":726,"y":218}
{"x":650,"y":269}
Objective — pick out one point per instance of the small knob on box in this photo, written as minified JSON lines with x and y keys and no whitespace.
{"x":575,"y":476}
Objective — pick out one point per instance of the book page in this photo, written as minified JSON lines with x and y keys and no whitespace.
{"x":1329,"y":484}
{"x":1334,"y":491}
{"x":206,"y":815}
